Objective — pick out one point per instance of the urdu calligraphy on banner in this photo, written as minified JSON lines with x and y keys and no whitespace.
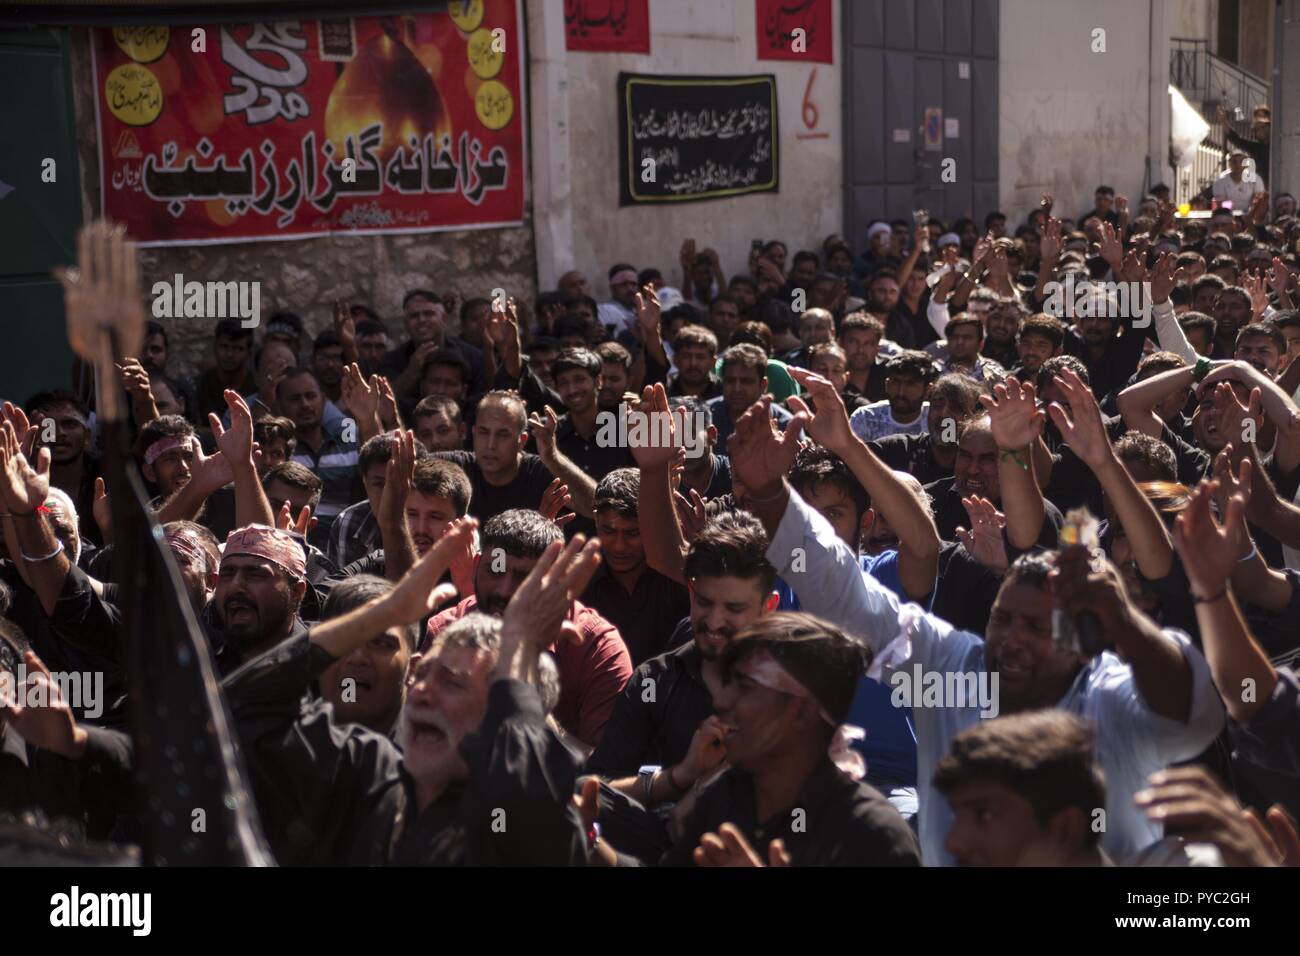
{"x":777,"y":21}
{"x":696,"y":137}
{"x":303,"y":128}
{"x":607,"y":26}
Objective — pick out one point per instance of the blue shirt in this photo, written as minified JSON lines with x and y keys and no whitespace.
{"x":890,"y":745}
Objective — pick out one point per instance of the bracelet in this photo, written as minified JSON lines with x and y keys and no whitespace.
{"x":765,"y":501}
{"x":55,"y":553}
{"x":1210,"y":600}
{"x":1014,"y":456}
{"x":1202,"y":368}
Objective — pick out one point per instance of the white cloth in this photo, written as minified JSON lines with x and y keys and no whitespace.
{"x":877,"y":420}
{"x":1132,"y":741}
{"x":1170,"y":334}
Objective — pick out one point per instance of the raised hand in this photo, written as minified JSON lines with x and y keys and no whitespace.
{"x":1164,"y":276}
{"x":1256,"y":288}
{"x":418,"y":594}
{"x":648,"y":312}
{"x":1082,"y":427}
{"x":303,"y":524}
{"x":235,"y":442}
{"x":687,"y":255}
{"x":535,"y":617}
{"x":1235,"y":420}
{"x":1190,"y":801}
{"x":1014,"y":413}
{"x":398,"y":475}
{"x":22,"y":487}
{"x":102,"y":295}
{"x":102,"y":511}
{"x":554,"y":499}
{"x":1279,"y":277}
{"x":26,"y":431}
{"x":654,"y":402}
{"x":51,"y":726}
{"x":1111,"y":248}
{"x":346,"y":327}
{"x":760,"y":457}
{"x":1049,"y":248}
{"x":360,"y":397}
{"x":691,"y":514}
{"x":134,"y":378}
{"x":728,"y":847}
{"x":829,"y":424}
{"x":1210,"y":551}
{"x":390,"y":416}
{"x":984,"y":540}
{"x":543,"y":432}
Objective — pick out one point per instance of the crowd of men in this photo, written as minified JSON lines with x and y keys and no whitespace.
{"x":972,"y":544}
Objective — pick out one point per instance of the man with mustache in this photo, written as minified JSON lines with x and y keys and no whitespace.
{"x":594,"y":665}
{"x":476,"y":776}
{"x":260,"y":587}
{"x":72,"y":466}
{"x":1149,"y":693}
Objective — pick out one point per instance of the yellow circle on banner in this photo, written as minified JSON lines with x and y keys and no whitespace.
{"x":142,"y":44}
{"x":483,"y":60}
{"x":494,"y":104}
{"x":133,"y":94}
{"x":466,"y":14}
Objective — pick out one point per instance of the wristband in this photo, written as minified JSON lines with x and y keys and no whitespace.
{"x":53,"y":554}
{"x":1210,"y":600}
{"x":1202,"y":368}
{"x":1014,"y":456}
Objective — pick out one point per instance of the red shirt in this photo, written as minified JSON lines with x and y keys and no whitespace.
{"x":593,"y":669}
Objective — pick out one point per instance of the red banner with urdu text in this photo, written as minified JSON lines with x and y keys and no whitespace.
{"x":410,"y":123}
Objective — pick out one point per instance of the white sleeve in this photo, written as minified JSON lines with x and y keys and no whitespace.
{"x":1170,"y":334}
{"x":826,"y":576}
{"x":937,"y":313}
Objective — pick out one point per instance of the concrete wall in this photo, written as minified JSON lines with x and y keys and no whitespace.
{"x":1191,"y":19}
{"x":307,"y":276}
{"x":575,"y":101}
{"x":1071,"y":119}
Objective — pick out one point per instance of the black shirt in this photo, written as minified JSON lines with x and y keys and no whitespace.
{"x":1118,"y":361}
{"x":912,"y":454}
{"x":395,"y":361}
{"x":949,"y":513}
{"x":525,"y":490}
{"x":713,"y":390}
{"x":843,"y":823}
{"x":657,"y":714}
{"x":517,"y":768}
{"x":966,"y":590}
{"x":719,"y":480}
{"x":647,"y":617}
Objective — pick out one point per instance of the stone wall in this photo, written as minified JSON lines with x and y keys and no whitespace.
{"x":306,"y":276}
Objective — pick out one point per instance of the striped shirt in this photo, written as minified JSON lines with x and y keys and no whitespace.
{"x":335,"y":464}
{"x":354,"y":534}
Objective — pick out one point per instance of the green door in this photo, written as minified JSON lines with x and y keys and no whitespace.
{"x":38,"y":220}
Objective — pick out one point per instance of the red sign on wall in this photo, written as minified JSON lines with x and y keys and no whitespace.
{"x":607,"y":26}
{"x":287,"y":130}
{"x":779,"y":23}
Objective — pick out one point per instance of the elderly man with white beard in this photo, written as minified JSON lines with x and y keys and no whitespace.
{"x":475,"y":777}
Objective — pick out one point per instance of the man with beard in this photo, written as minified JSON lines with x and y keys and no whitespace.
{"x":930,"y":456}
{"x":964,"y":335}
{"x":1002,"y":324}
{"x":324,"y":448}
{"x":367,"y":685}
{"x":1111,"y":358}
{"x":260,"y":586}
{"x":787,"y":682}
{"x":72,"y":466}
{"x":883,"y":291}
{"x":1262,"y":345}
{"x":1040,"y":338}
{"x":438,"y":424}
{"x":1232,"y":312}
{"x":695,"y":351}
{"x":594,"y":664}
{"x":426,"y":328}
{"x":908,"y":380}
{"x":619,"y":314}
{"x":327,"y":364}
{"x":643,"y":604}
{"x":1023,"y":789}
{"x":475,"y":777}
{"x":576,"y":434}
{"x":1151,"y":697}
{"x":615,"y":372}
{"x":744,"y":379}
{"x":860,"y":336}
{"x":232,"y":346}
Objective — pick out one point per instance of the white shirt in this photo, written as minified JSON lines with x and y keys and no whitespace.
{"x":1239,"y":193}
{"x":1132,"y":740}
{"x":877,"y":420}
